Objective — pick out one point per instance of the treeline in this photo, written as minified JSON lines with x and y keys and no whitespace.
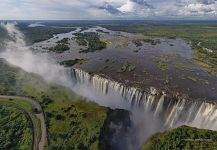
{"x":183,"y":138}
{"x":90,"y":40}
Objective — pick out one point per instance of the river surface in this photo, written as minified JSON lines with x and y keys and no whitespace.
{"x":179,"y":75}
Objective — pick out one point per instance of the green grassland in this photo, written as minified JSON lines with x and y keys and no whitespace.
{"x":67,"y":115}
{"x":183,"y":138}
{"x":15,"y":129}
{"x":72,"y":122}
{"x":19,"y":102}
{"x":206,"y":35}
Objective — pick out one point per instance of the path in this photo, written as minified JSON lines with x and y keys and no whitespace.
{"x":39,"y":115}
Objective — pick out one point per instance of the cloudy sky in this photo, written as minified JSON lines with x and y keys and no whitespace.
{"x":107,"y":9}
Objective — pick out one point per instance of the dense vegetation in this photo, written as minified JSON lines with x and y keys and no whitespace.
{"x":91,"y":41}
{"x":72,"y":123}
{"x":202,"y":38}
{"x":8,"y":83}
{"x":62,"y":46}
{"x":38,"y":34}
{"x":15,"y":129}
{"x":64,"y":41}
{"x":138,"y":42}
{"x":183,"y":138}
{"x":59,"y":48}
{"x":127,"y":67}
{"x":70,"y":63}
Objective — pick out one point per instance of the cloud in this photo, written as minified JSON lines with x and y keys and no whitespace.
{"x":35,"y":25}
{"x":106,"y":9}
{"x":143,"y":3}
{"x":207,"y":2}
{"x":128,"y":7}
{"x":110,"y":8}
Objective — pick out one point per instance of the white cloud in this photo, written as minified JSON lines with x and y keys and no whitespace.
{"x":128,"y":7}
{"x":106,"y":9}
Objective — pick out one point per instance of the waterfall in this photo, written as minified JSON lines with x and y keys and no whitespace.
{"x":173,"y":112}
{"x":159,"y":107}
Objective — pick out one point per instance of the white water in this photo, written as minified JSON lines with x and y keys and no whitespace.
{"x":180,"y":112}
{"x":151,"y":110}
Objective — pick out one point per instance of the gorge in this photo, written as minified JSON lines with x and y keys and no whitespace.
{"x":150,"y":110}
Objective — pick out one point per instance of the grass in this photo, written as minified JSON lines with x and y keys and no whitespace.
{"x":19,"y":102}
{"x":72,"y":122}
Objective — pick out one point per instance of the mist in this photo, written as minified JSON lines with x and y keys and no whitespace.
{"x":17,"y":53}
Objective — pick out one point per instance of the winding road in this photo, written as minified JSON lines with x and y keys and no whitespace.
{"x":39,"y":115}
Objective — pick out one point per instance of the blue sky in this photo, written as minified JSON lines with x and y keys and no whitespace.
{"x":107,"y":9}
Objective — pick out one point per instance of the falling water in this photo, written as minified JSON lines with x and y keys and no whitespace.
{"x":173,"y":112}
{"x":149,"y":104}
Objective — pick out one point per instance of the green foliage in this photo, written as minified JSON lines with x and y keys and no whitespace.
{"x":8,"y":83}
{"x":15,"y":129}
{"x":59,"y":48}
{"x":161,"y":64}
{"x":64,"y":41}
{"x":138,"y":42}
{"x":91,"y":40}
{"x":72,"y":122}
{"x":204,"y":34}
{"x":183,"y":138}
{"x":38,"y":34}
{"x":70,"y":63}
{"x":127,"y":66}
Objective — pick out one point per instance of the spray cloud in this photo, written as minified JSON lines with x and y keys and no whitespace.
{"x":145,"y":122}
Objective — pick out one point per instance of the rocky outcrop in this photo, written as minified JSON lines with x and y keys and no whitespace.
{"x":114,"y":133}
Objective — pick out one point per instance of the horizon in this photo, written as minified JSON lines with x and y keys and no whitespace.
{"x":108,"y":10}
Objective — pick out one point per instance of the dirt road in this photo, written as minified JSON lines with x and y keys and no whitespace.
{"x":39,"y":115}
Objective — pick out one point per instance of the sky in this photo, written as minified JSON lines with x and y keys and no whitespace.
{"x":107,"y":9}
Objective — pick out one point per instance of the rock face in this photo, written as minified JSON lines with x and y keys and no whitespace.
{"x":114,"y":133}
{"x":172,"y":110}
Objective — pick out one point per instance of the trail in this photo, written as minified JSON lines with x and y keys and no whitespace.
{"x":39,"y":115}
